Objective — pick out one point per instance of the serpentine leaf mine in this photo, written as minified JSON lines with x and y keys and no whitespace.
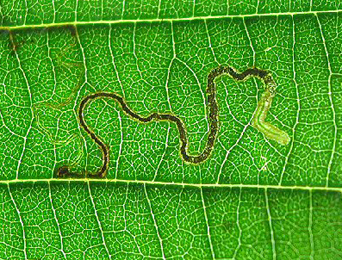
{"x":258,"y":121}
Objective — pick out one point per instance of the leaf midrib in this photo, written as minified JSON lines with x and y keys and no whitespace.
{"x":183,"y":184}
{"x":158,"y":20}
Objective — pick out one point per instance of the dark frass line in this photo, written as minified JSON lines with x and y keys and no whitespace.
{"x":258,"y":122}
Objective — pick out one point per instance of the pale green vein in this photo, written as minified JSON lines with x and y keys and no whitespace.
{"x":98,"y":222}
{"x":158,"y":20}
{"x":20,"y":220}
{"x":330,"y":100}
{"x":182,"y":184}
{"x":53,"y":91}
{"x":269,"y":217}
{"x":208,"y":226}
{"x":155,"y":223}
{"x":168,"y":100}
{"x":298,"y":104}
{"x":31,"y":108}
{"x":312,"y":243}
{"x":238,"y":226}
{"x":250,"y":40}
{"x":209,"y":41}
{"x":202,"y":94}
{"x":79,"y":90}
{"x":123,"y":95}
{"x":249,"y":122}
{"x":57,"y":222}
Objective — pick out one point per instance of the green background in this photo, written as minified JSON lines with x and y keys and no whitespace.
{"x":252,"y":199}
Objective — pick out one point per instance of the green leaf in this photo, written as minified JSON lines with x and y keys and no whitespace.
{"x":253,"y":198}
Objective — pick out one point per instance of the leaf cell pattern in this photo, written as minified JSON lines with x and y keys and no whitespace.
{"x":251,"y":199}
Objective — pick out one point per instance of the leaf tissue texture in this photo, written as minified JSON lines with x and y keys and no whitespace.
{"x":252,"y":198}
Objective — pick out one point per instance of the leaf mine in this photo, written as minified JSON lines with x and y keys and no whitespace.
{"x":258,"y":122}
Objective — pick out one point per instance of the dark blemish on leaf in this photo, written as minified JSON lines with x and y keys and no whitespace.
{"x":12,"y":44}
{"x":63,"y":171}
{"x":4,"y":32}
{"x":72,"y":30}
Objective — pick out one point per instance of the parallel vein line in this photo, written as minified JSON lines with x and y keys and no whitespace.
{"x":123,"y":94}
{"x":274,"y":253}
{"x":298,"y":104}
{"x":330,"y":100}
{"x":57,"y":222}
{"x":98,"y":222}
{"x":20,"y":219}
{"x":208,"y":226}
{"x":312,"y":243}
{"x":31,"y":107}
{"x":158,"y":20}
{"x":155,"y":223}
{"x":165,"y":183}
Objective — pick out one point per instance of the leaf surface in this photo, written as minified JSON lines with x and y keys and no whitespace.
{"x":252,"y":199}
